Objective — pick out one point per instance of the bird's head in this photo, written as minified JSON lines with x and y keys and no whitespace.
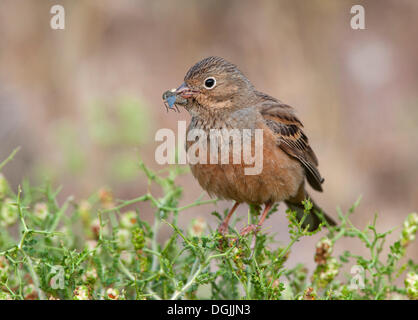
{"x":215,"y":83}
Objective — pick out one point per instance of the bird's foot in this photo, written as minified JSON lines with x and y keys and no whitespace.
{"x":223,"y":228}
{"x":250,"y":228}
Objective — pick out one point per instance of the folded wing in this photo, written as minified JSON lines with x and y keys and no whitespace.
{"x":281,"y":120}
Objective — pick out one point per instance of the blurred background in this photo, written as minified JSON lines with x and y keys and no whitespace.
{"x":84,"y":103}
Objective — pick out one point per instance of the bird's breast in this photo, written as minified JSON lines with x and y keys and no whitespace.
{"x":279,"y":179}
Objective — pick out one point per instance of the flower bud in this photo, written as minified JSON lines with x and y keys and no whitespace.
{"x":9,"y":213}
{"x":410,"y":227}
{"x":308,"y":294}
{"x":90,"y":276}
{"x":128,"y":220}
{"x":41,"y":210}
{"x":411,"y":285}
{"x":325,"y":273}
{"x":323,"y":251}
{"x":123,"y":238}
{"x":113,"y":294}
{"x":81,"y":293}
{"x":106,"y":198}
{"x":197,"y":227}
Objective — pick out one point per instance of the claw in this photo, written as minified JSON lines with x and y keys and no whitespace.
{"x":248,"y":229}
{"x":223,"y":228}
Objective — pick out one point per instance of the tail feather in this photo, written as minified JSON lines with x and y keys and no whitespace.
{"x":313,"y":219}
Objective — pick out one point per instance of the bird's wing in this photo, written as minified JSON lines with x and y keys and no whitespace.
{"x":287,"y":127}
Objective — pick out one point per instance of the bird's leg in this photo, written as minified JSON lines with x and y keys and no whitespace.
{"x":256,"y":227}
{"x":224,"y":225}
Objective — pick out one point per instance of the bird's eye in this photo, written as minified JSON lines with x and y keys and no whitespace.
{"x":210,"y":83}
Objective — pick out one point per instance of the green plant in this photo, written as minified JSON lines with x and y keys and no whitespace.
{"x":99,"y":249}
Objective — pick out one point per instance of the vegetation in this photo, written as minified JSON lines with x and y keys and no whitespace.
{"x":99,"y":249}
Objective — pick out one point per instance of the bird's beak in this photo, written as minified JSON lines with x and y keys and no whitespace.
{"x":185,"y":92}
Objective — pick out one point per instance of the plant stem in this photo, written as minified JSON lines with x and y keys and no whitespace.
{"x":177,"y":294}
{"x":35,"y":278}
{"x":9,"y":158}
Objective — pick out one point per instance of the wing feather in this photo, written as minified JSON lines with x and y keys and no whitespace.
{"x":290,"y":137}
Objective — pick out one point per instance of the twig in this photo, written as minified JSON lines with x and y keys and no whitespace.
{"x":9,"y":158}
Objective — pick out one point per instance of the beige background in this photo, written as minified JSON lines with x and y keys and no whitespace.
{"x":85,"y":102}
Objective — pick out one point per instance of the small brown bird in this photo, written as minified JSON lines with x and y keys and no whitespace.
{"x":218,"y":96}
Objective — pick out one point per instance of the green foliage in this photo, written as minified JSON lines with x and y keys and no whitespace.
{"x":115,"y":130}
{"x":99,"y":249}
{"x":125,"y":122}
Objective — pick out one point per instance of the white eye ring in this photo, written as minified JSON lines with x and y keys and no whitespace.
{"x":213,"y":85}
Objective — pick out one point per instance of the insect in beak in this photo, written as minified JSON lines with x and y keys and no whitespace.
{"x":175,"y":97}
{"x":170,"y":98}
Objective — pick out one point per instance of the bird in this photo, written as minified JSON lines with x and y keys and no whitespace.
{"x":217,"y":95}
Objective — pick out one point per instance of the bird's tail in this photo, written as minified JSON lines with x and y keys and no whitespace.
{"x":313,"y":219}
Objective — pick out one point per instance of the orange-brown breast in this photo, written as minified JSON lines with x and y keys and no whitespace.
{"x":280,"y":179}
